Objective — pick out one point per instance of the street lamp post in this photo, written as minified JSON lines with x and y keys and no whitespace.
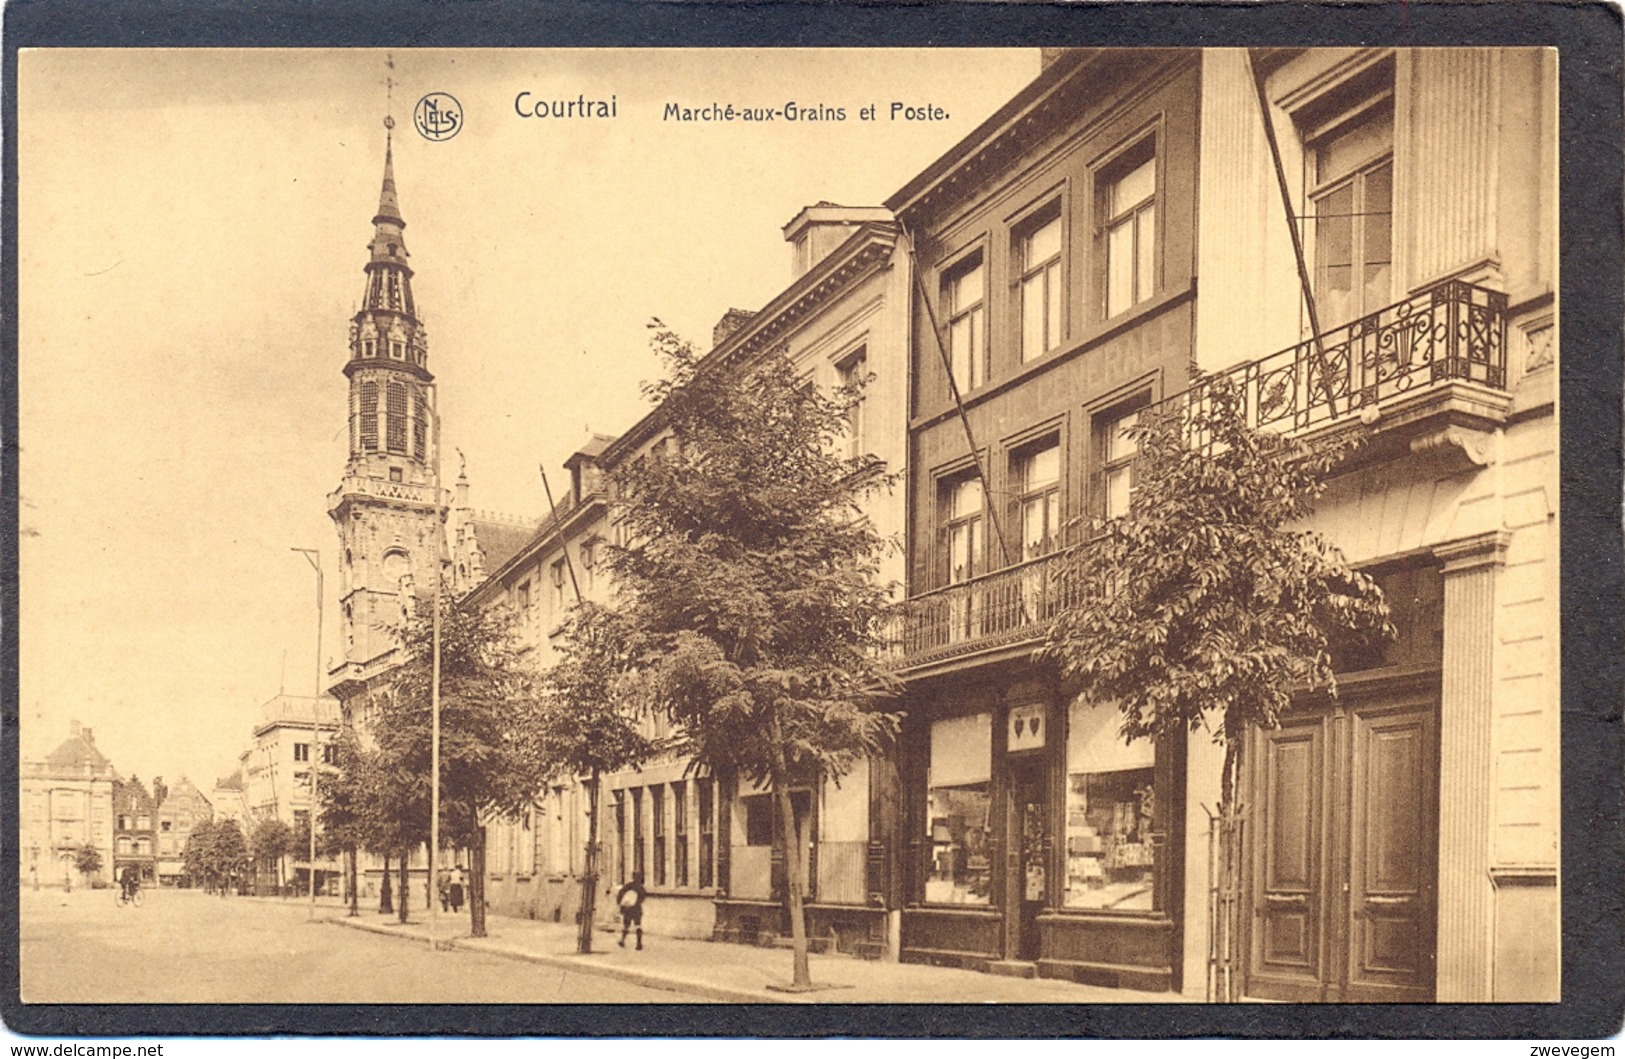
{"x":314,"y":557}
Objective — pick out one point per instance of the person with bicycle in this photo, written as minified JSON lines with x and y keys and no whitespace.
{"x":129,"y":884}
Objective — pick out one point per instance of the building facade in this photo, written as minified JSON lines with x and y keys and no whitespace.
{"x":181,"y":809}
{"x":66,"y":803}
{"x":134,"y":831}
{"x":294,"y":734}
{"x":1401,"y":841}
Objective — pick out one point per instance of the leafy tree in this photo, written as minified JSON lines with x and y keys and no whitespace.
{"x":1208,"y":604}
{"x":344,"y":806}
{"x":489,"y":762}
{"x":88,"y":859}
{"x":588,"y":723}
{"x":754,"y":580}
{"x":271,"y":841}
{"x":195,"y":855}
{"x":229,"y":853}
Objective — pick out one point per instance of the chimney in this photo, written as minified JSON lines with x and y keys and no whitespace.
{"x":731,"y":321}
{"x":88,"y":736}
{"x":820,"y":228}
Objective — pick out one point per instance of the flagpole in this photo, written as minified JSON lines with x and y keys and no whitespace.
{"x":432,"y":882}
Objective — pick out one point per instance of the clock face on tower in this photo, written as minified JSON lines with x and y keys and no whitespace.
{"x":396,"y":566}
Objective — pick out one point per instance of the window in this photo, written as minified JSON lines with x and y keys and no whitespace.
{"x":657,"y":812}
{"x":397,"y":350}
{"x":124,"y":844}
{"x":1110,"y":813}
{"x":620,"y":837}
{"x":958,"y":802}
{"x":420,"y":423}
{"x":143,"y":823}
{"x":589,"y":561}
{"x":368,"y":415}
{"x":706,"y":799}
{"x":558,"y":589}
{"x":1038,"y":504}
{"x":961,"y":512}
{"x":637,"y":831}
{"x":1038,"y":254}
{"x":1351,"y":180}
{"x":143,"y":847}
{"x":163,"y":825}
{"x":853,"y":374}
{"x":679,"y":812}
{"x":395,"y":475}
{"x":330,"y":754}
{"x":964,"y":291}
{"x":521,"y":601}
{"x":1115,"y":450}
{"x":301,"y":751}
{"x":758,"y":819}
{"x":123,"y":822}
{"x":395,"y":417}
{"x":1127,"y":206}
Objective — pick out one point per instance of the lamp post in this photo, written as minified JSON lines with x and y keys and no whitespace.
{"x":314,"y":557}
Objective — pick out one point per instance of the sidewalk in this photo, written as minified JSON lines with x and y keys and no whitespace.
{"x":720,"y":971}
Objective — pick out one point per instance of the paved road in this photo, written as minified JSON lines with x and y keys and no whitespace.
{"x":185,"y":946}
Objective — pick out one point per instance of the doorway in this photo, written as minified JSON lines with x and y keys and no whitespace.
{"x":1027,"y":885}
{"x":1344,"y":849}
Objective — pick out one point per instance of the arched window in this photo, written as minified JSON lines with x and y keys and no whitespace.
{"x":368,"y":415}
{"x":420,"y":423}
{"x":395,"y":418}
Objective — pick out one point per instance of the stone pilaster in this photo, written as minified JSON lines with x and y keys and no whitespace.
{"x":1466,"y":914}
{"x":1449,"y":164}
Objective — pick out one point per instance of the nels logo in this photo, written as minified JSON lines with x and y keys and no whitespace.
{"x":438,"y":116}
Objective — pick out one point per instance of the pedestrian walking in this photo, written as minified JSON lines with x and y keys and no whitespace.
{"x":630,"y":900}
{"x":443,"y":888}
{"x":455,"y":892}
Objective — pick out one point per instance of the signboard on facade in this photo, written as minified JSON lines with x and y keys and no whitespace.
{"x":1026,"y":728}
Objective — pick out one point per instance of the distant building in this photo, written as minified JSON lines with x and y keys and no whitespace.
{"x":228,"y":797}
{"x":133,"y":831}
{"x":181,"y":809}
{"x":66,"y":803}
{"x":294,"y":732}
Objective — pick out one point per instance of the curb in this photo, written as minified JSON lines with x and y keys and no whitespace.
{"x":670,"y":983}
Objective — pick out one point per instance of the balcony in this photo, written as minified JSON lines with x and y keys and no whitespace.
{"x":1413,"y":357}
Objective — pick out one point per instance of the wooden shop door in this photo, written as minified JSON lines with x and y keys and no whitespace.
{"x":1343,"y":859}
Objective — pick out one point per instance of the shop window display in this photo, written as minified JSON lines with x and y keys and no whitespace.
{"x":1110,"y":815}
{"x":958,"y":802}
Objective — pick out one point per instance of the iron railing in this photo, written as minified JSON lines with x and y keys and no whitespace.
{"x":1455,"y":331}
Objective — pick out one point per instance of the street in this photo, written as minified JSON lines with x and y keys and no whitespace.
{"x":184,"y":946}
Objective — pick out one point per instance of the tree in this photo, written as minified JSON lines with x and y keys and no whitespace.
{"x":229,"y":854}
{"x":196,"y":856}
{"x":88,"y":859}
{"x":489,"y":762}
{"x":1208,"y":605}
{"x":588,"y":724}
{"x":344,"y":805}
{"x":754,"y":580}
{"x":271,"y":841}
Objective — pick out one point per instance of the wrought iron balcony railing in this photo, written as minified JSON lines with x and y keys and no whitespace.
{"x":1455,"y":331}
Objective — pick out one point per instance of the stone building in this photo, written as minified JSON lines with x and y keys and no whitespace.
{"x":134,"y":831}
{"x":180,"y":810}
{"x":66,"y":803}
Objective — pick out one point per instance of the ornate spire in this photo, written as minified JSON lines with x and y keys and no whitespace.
{"x":386,"y":330}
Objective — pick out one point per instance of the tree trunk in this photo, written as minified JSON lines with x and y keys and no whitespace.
{"x":589,"y":870}
{"x":404,"y":889}
{"x":795,"y":874}
{"x":355,"y":881}
{"x":476,"y":883}
{"x":385,"y":907}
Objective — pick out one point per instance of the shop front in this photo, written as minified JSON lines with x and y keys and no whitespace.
{"x":1037,"y":841}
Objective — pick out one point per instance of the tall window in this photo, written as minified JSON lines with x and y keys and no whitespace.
{"x":1114,"y":453}
{"x":420,"y":423}
{"x":961,"y":502}
{"x":637,"y":830}
{"x":1128,"y":208}
{"x":964,"y":292}
{"x":1039,"y":254}
{"x":706,"y":800}
{"x":395,"y":417}
{"x":679,"y":813}
{"x":558,"y":590}
{"x":657,"y":812}
{"x":958,"y":811}
{"x":589,"y":562}
{"x":1038,"y":505}
{"x":853,"y":372}
{"x":521,"y":602}
{"x":301,"y":751}
{"x":367,"y":413}
{"x":1352,"y":200}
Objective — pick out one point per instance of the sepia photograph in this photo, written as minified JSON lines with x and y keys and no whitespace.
{"x":1063,"y":525}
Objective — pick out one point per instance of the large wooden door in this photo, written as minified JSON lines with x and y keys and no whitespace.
{"x":1343,"y":854}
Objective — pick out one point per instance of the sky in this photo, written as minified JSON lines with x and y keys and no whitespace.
{"x":192,"y":226}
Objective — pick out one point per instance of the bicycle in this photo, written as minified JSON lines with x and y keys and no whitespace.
{"x":129,"y":897}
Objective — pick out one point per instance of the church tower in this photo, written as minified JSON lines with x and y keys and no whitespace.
{"x":389,"y":506}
